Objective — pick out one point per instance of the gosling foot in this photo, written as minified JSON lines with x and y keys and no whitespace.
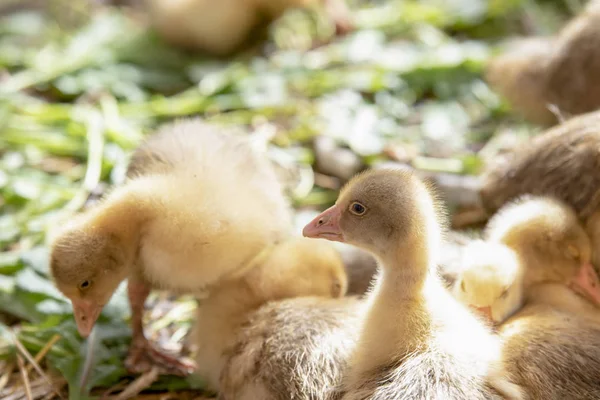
{"x":143,"y":356}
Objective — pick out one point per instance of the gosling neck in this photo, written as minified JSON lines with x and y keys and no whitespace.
{"x":122,"y":215}
{"x":398,"y":317}
{"x":412,"y":263}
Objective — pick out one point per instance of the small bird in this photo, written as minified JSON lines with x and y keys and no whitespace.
{"x":200,"y":206}
{"x":549,"y":326}
{"x":222,"y":27}
{"x":416,"y":341}
{"x":531,"y":223}
{"x":549,"y":79}
{"x":282,"y":330}
{"x":562,"y":163}
{"x":532,"y":240}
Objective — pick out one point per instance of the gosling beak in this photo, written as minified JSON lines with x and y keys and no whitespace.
{"x":586,"y":283}
{"x":485,"y":312}
{"x":325,"y":225}
{"x":86,"y":314}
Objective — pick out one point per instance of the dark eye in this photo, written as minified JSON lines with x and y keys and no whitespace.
{"x":357,"y":208}
{"x":85,"y":284}
{"x":504,"y":294}
{"x":462,"y":286}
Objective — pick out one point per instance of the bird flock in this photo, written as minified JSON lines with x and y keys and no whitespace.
{"x":204,"y":212}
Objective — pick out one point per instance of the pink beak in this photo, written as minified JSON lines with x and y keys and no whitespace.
{"x":325,"y":225}
{"x":86,"y":314}
{"x":586,"y":283}
{"x":485,"y":312}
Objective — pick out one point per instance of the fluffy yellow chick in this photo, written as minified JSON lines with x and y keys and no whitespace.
{"x":200,"y":206}
{"x":490,"y":280}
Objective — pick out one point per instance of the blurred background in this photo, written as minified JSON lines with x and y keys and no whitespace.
{"x":83,"y":81}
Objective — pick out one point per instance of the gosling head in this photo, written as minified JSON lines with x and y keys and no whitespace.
{"x":304,"y":267}
{"x":379,"y":210}
{"x":87,"y":265}
{"x":551,"y":244}
{"x":490,"y":281}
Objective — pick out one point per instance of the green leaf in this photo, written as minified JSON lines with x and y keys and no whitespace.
{"x":38,"y":259}
{"x":10,"y":262}
{"x":30,"y":282}
{"x":50,"y":306}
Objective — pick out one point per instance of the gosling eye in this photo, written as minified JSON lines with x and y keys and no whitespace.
{"x":357,"y":209}
{"x":85,"y":284}
{"x":462,"y":286}
{"x":504,"y":293}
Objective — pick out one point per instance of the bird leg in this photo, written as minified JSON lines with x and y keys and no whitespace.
{"x":142,"y":355}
